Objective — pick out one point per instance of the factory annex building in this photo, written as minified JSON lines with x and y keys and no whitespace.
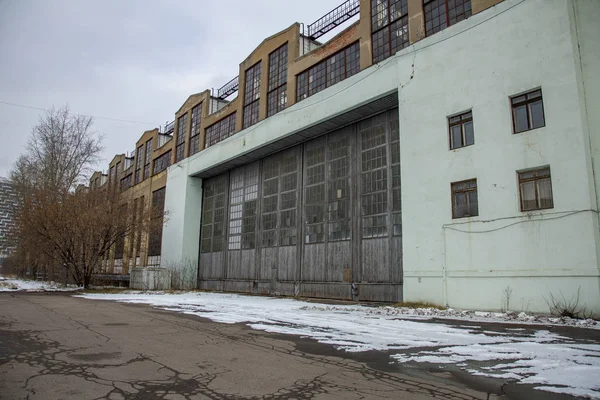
{"x":434,"y":150}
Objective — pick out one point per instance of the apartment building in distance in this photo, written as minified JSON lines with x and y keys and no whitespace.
{"x":8,"y":205}
{"x":434,"y":150}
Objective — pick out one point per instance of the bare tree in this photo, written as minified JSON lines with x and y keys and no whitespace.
{"x":79,"y":230}
{"x":60,"y":152}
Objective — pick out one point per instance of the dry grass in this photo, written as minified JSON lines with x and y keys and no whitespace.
{"x":419,"y":304}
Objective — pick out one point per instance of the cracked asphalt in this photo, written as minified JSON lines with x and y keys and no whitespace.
{"x":54,"y":346}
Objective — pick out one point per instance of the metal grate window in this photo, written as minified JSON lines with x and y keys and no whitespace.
{"x":270,"y":190}
{"x":158,"y":203}
{"x":440,"y":14}
{"x":162,"y":162}
{"x":535,"y":189}
{"x":148,"y":159}
{"x":220,"y":130}
{"x":330,"y":71}
{"x":460,"y":129}
{"x":180,"y":142}
{"x":464,"y":199}
{"x":389,"y":26}
{"x":396,"y":180}
{"x":252,"y":95}
{"x":195,"y":129}
{"x":277,"y":91}
{"x":138,"y":164}
{"x":527,"y":111}
{"x":374,"y":178}
{"x":213,"y":215}
{"x":338,"y":196}
{"x":314,"y":192}
{"x":288,"y":195}
{"x":243,"y":189}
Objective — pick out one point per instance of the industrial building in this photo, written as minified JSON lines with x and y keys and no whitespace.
{"x":438,"y":150}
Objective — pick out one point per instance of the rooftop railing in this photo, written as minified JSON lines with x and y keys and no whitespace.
{"x":333,"y":19}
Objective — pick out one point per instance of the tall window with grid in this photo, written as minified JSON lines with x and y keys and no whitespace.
{"x":288,"y":198}
{"x":389,"y":26}
{"x":270,"y":206}
{"x":148,"y":159}
{"x":139,"y":209}
{"x":139,"y":161}
{"x":277,"y":91}
{"x":252,"y":95}
{"x":242,"y":207}
{"x":328,"y":72}
{"x":374,"y":178}
{"x":338,"y":187}
{"x":117,"y":173}
{"x":111,"y":175}
{"x":440,"y":14}
{"x":396,"y":189}
{"x":213,"y":215}
{"x":314,"y":192}
{"x":195,"y":129}
{"x":155,"y":241}
{"x":126,"y":182}
{"x":180,"y":143}
{"x":219,"y":131}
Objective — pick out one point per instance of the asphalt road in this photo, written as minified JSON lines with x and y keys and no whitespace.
{"x":54,"y":346}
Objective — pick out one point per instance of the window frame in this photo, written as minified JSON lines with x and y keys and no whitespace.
{"x":251,"y":112}
{"x":535,"y":180}
{"x":195,"y":129}
{"x":386,"y":29}
{"x":161,"y":163}
{"x":147,"y":159}
{"x":303,"y":90}
{"x":139,"y":163}
{"x":454,"y":191}
{"x":527,"y":102}
{"x":180,"y":140}
{"x":464,"y":118}
{"x":220,"y":130}
{"x":447,"y":12}
{"x":277,"y":82}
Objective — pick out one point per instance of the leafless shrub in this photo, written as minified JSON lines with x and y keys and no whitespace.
{"x":562,"y":307}
{"x":506,"y":295}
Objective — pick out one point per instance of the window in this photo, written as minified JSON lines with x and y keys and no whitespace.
{"x":148,"y":159}
{"x":251,"y":95}
{"x":162,"y":162}
{"x":440,"y":14}
{"x":535,"y":188}
{"x":277,"y":91}
{"x":180,"y":143}
{"x":461,"y":130}
{"x":242,"y":207}
{"x":158,"y":204}
{"x":527,"y":111}
{"x":126,"y":183}
{"x":111,"y":175}
{"x":389,"y":26}
{"x":220,"y":131}
{"x":213,"y":214}
{"x":139,"y":209}
{"x":138,"y":164}
{"x":464,"y":199}
{"x":328,"y":72}
{"x":117,"y":173}
{"x":195,"y":130}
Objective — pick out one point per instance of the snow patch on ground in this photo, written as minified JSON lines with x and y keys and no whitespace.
{"x":549,"y":361}
{"x":12,"y":285}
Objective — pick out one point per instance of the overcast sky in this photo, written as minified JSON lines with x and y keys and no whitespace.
{"x":134,"y":60}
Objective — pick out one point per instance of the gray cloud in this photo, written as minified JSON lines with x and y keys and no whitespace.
{"x":132,"y":60}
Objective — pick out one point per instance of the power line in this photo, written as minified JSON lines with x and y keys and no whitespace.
{"x":93,"y":116}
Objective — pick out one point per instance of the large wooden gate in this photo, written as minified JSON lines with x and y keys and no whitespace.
{"x":310,"y":220}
